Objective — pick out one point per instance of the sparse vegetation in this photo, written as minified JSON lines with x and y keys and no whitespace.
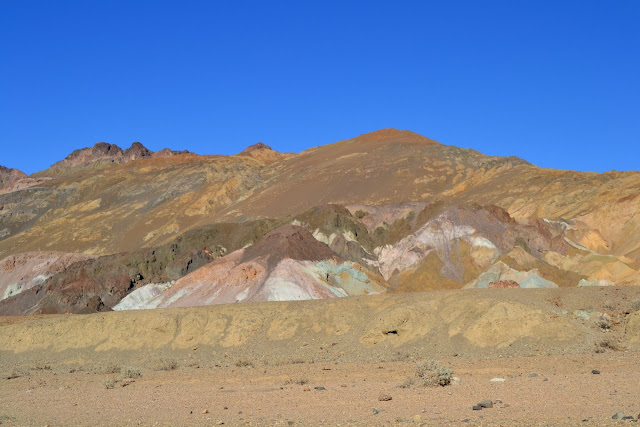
{"x":635,"y":305}
{"x":609,"y":344}
{"x":243,"y":363}
{"x":112,"y":369}
{"x":432,"y":373}
{"x":109,"y":384}
{"x":167,"y":365}
{"x":360,"y":214}
{"x":298,"y":381}
{"x":131,"y":373}
{"x":603,"y":321}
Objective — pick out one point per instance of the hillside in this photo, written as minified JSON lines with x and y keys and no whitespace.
{"x":418,"y":214}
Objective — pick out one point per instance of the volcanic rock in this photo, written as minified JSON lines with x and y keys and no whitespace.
{"x":287,"y":264}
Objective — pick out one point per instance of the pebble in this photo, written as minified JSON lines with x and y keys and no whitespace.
{"x":533,"y":375}
{"x":375,"y":411}
{"x":595,"y":372}
{"x":456,"y":381}
{"x":476,"y":408}
{"x":485,"y":404}
{"x":384,"y":397}
{"x":205,"y":411}
{"x":319,"y":388}
{"x":497,"y":380}
{"x":618,"y":416}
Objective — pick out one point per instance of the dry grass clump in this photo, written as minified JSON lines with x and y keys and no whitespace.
{"x":298,"y":381}
{"x":603,"y":321}
{"x":166,"y":365}
{"x":109,"y":384}
{"x":132,"y":373}
{"x":243,"y":363}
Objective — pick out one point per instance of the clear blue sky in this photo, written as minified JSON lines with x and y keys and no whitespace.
{"x":554,"y":82}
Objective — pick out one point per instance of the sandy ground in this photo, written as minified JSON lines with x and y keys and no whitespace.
{"x":563,"y":392}
{"x":262,"y":364}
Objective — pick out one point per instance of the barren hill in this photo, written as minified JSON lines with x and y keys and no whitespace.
{"x":421,"y":214}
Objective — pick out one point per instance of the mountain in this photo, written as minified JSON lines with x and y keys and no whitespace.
{"x":102,"y":154}
{"x":8,"y":177}
{"x":420,"y":214}
{"x":286,"y":264}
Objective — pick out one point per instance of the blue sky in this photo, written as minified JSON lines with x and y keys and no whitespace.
{"x":554,"y":82}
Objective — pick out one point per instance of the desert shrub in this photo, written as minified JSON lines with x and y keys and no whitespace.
{"x":432,"y":373}
{"x":131,"y":373}
{"x":112,"y":369}
{"x":109,"y":384}
{"x":243,"y":363}
{"x":408,"y":383}
{"x":604,"y":321}
{"x":167,"y":365}
{"x":635,"y":305}
{"x":360,"y":214}
{"x":609,"y":344}
{"x":298,"y":381}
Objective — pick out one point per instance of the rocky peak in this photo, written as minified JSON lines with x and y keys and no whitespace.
{"x":137,"y":151}
{"x":258,"y":146}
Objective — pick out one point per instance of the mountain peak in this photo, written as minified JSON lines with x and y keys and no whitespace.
{"x":258,"y":146}
{"x":137,"y":151}
{"x":393,"y":135}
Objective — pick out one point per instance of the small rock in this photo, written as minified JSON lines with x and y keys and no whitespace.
{"x":533,"y":375}
{"x":485,"y":404}
{"x":375,"y":411}
{"x":628,"y":417}
{"x":497,"y":380}
{"x":466,"y":420}
{"x":384,"y":397}
{"x":456,"y":381}
{"x":476,"y":408}
{"x":205,"y":411}
{"x":319,"y":388}
{"x":595,"y":372}
{"x":618,"y":416}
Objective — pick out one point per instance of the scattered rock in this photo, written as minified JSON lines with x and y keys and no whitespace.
{"x":533,"y":375}
{"x":618,"y":416}
{"x":497,"y":380}
{"x":595,"y":372}
{"x":476,"y":408}
{"x":376,"y":411}
{"x":205,"y":411}
{"x":485,"y":404}
{"x":384,"y":397}
{"x":628,"y":417}
{"x":456,"y":381}
{"x":320,"y":388}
